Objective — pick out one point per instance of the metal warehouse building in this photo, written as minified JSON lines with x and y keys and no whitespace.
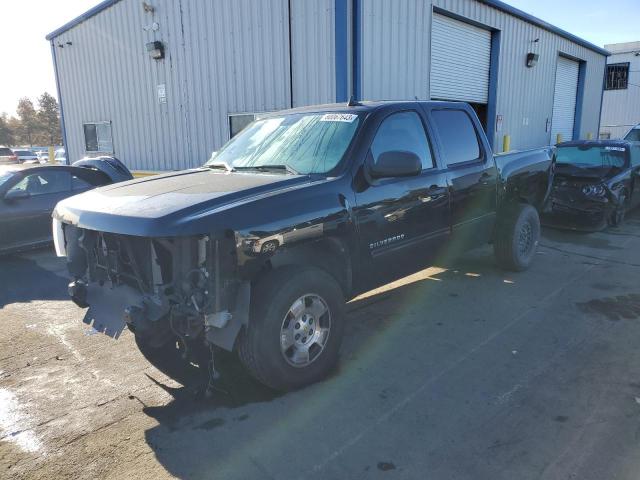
{"x":163,"y":83}
{"x":621,"y":101}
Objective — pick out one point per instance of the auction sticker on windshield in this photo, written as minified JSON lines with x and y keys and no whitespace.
{"x":338,"y":117}
{"x":615,"y":149}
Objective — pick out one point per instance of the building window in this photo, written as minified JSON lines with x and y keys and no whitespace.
{"x":237,"y":122}
{"x":97,"y":137}
{"x":617,"y":76}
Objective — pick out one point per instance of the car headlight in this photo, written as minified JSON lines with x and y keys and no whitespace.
{"x":594,"y":190}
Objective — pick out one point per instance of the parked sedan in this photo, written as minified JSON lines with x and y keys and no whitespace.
{"x":595,"y":184}
{"x":7,"y":156}
{"x":26,"y":156}
{"x":28,"y":195}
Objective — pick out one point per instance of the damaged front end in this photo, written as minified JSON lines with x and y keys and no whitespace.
{"x":580,"y":204}
{"x":160,"y":288}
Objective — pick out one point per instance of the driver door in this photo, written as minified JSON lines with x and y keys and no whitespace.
{"x":402,"y":221}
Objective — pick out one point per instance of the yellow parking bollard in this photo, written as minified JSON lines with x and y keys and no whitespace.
{"x":559,"y":138}
{"x":52,"y":155}
{"x":589,"y":136}
{"x":506,"y":143}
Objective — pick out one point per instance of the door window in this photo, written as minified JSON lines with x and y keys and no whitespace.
{"x":44,"y":183}
{"x":402,"y":131}
{"x":457,"y":136}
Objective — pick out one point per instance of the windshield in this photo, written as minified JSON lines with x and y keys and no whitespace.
{"x":303,"y":143}
{"x":596,"y":156}
{"x":633,"y":135}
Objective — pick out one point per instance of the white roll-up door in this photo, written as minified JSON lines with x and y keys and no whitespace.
{"x":460,"y":61}
{"x":564,"y":99}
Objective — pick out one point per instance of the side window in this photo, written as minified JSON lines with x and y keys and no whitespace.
{"x":457,"y":136}
{"x":79,"y":183}
{"x":403,"y":131}
{"x":44,"y":183}
{"x":238,"y":121}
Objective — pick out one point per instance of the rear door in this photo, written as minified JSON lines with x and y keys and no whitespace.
{"x":471,"y":175}
{"x":402,"y":221}
{"x":28,"y":220}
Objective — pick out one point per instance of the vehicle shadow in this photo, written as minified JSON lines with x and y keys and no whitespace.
{"x":23,"y":280}
{"x":197,"y":436}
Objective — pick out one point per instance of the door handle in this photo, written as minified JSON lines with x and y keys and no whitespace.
{"x":433,"y":192}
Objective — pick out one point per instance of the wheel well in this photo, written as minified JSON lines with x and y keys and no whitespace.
{"x":331,"y":255}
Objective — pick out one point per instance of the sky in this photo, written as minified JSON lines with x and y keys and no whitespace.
{"x":28,"y":69}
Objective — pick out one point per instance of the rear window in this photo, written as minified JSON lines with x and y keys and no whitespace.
{"x":24,"y":153}
{"x":5,"y":152}
{"x":457,"y":135}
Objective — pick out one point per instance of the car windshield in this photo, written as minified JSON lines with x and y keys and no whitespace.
{"x":299,"y":143}
{"x":633,"y":135}
{"x":590,"y":157}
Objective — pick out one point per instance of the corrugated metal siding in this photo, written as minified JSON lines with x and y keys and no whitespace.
{"x":395,"y":49}
{"x":313,"y":51}
{"x":621,"y":108}
{"x":564,"y":100}
{"x":396,"y":39}
{"x":221,"y":57}
{"x":460,"y":58}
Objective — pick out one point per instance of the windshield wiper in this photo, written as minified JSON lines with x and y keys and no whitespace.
{"x":220,"y":165}
{"x":265,"y":168}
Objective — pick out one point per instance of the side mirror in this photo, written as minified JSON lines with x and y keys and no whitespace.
{"x":396,"y":163}
{"x":14,"y":195}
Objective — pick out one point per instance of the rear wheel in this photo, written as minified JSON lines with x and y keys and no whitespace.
{"x":295,"y":329}
{"x":517,"y":237}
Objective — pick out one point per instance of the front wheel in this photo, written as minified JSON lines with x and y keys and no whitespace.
{"x":517,"y":237}
{"x":295,"y":329}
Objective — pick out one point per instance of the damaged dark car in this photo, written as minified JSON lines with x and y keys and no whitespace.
{"x":257,"y":251}
{"x":595,"y":184}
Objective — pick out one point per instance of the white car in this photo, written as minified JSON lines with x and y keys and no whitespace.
{"x":60,"y":156}
{"x":26,"y":156}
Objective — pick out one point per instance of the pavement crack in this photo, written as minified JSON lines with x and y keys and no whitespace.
{"x":593,"y":257}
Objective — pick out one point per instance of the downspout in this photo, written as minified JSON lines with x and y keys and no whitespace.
{"x":357,"y":54}
{"x":62,"y":124}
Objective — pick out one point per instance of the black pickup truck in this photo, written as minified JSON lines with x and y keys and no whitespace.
{"x":258,"y":250}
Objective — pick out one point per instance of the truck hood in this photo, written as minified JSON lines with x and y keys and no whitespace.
{"x":169,"y":204}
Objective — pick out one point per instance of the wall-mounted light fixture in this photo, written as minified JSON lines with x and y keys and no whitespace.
{"x":532,"y":59}
{"x":156,"y":50}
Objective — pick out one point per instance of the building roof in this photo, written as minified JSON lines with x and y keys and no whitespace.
{"x":497,"y":4}
{"x":81,"y":18}
{"x":628,"y":47}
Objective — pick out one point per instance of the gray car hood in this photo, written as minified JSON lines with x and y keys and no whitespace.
{"x":170,"y":204}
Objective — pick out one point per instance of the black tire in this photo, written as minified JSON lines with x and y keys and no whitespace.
{"x":517,"y":237}
{"x":259,"y":346}
{"x":617,"y":216}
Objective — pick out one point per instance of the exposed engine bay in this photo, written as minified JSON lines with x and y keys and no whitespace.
{"x":163,"y":287}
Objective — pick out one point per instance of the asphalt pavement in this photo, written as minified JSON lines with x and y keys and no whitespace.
{"x":461,"y":371}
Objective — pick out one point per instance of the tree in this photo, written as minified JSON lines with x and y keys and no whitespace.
{"x":6,"y":133}
{"x":49,"y":119}
{"x":28,"y":119}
